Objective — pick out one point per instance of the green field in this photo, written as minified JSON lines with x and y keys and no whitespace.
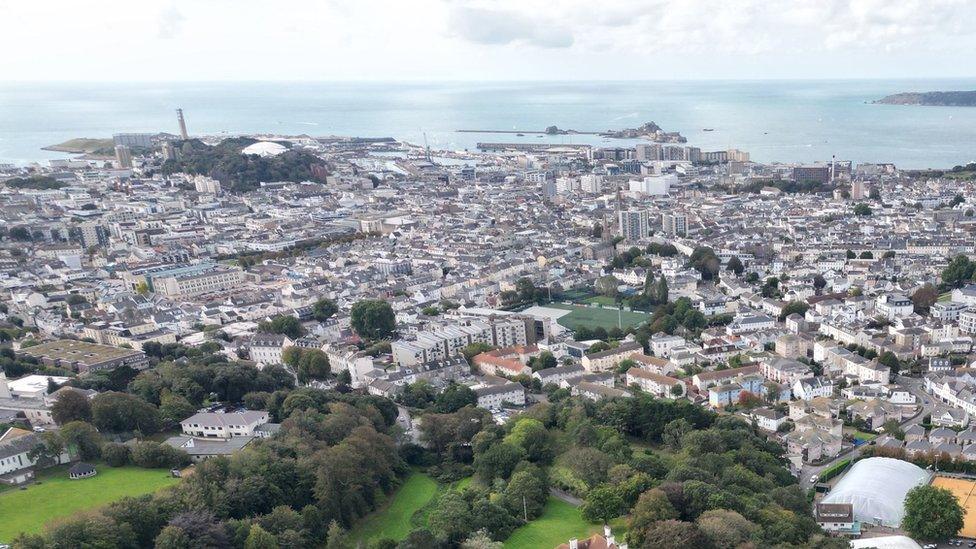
{"x":601,"y":300}
{"x":393,"y":520}
{"x":595,"y":317}
{"x":54,"y":495}
{"x":559,"y":523}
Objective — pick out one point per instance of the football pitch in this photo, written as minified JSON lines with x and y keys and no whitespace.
{"x":597,"y":317}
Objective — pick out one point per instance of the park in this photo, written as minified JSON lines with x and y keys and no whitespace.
{"x":53,"y":495}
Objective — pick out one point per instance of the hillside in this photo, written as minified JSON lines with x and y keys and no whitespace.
{"x":83,"y":145}
{"x":933,"y":99}
{"x":242,"y":173}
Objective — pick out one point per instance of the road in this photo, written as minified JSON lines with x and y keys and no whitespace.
{"x":915,"y":386}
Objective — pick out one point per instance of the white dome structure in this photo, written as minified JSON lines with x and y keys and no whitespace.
{"x":264,"y":148}
{"x":877,"y":487}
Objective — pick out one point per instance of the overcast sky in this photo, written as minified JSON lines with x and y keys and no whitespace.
{"x":484,"y":40}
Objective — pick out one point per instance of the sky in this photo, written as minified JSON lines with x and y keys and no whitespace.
{"x":427,"y":40}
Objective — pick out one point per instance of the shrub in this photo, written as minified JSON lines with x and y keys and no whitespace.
{"x":115,"y":454}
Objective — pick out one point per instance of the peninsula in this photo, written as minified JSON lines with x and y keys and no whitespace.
{"x":932,"y":99}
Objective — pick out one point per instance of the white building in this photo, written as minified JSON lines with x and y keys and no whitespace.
{"x":267,"y":349}
{"x":892,"y":306}
{"x":492,"y":397}
{"x":657,"y":185}
{"x":223,"y":425}
{"x":658,"y":385}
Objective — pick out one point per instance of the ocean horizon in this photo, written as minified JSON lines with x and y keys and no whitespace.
{"x":774,"y":120}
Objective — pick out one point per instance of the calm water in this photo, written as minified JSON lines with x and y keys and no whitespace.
{"x":774,"y":120}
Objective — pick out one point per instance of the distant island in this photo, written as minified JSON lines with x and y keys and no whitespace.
{"x":932,"y":99}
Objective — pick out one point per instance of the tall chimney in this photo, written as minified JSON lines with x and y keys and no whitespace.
{"x":179,"y":115}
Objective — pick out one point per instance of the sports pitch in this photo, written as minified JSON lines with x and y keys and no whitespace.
{"x":965,"y":492}
{"x":596,"y":317}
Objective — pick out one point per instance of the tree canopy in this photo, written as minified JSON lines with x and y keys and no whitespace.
{"x":932,"y":513}
{"x":373,"y":319}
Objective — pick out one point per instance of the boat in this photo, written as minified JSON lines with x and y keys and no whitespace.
{"x":520,"y":134}
{"x":708,"y":129}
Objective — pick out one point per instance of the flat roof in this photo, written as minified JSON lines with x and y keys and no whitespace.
{"x":80,"y":351}
{"x":33,"y":383}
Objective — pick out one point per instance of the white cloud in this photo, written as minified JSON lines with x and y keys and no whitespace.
{"x":170,"y":22}
{"x":494,"y":27}
{"x":484,"y":39}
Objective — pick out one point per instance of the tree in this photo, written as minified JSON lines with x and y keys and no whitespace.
{"x":373,"y":319}
{"x":324,"y":309}
{"x":668,"y":534}
{"x":451,"y":517}
{"x":193,"y":530}
{"x":525,"y":289}
{"x":924,"y":298}
{"x":735,"y":265}
{"x":314,"y":364}
{"x":819,"y":282}
{"x":607,"y":285}
{"x":652,"y":506}
{"x":533,"y":437}
{"x":704,"y":260}
{"x":49,"y":450}
{"x":454,"y":397}
{"x":797,"y":307}
{"x":932,"y":513}
{"x":336,"y":536}
{"x":649,"y":284}
{"x":526,"y":493}
{"x":850,"y":254}
{"x":498,"y":461}
{"x":283,"y":324}
{"x":889,"y":359}
{"x":662,"y":291}
{"x":259,"y":538}
{"x":893,"y":428}
{"x":174,"y":407}
{"x":545,"y":360}
{"x":770,"y":288}
{"x":20,"y":233}
{"x":115,"y":454}
{"x":862,"y":210}
{"x":674,"y":431}
{"x":120,"y":412}
{"x":601,"y":505}
{"x":866,"y":254}
{"x":725,"y":528}
{"x":89,"y":531}
{"x":82,"y":439}
{"x":959,"y":271}
{"x":480,"y":540}
{"x":70,"y":406}
{"x":597,"y":231}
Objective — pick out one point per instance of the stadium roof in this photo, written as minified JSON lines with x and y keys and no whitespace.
{"x":876,"y":487}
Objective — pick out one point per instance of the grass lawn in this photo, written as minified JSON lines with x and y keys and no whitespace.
{"x":393,"y":520}
{"x":595,"y":317}
{"x":559,"y":522}
{"x":56,"y":496}
{"x":861,"y":435}
{"x":601,"y":300}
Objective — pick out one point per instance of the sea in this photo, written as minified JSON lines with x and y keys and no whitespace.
{"x":774,"y":120}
